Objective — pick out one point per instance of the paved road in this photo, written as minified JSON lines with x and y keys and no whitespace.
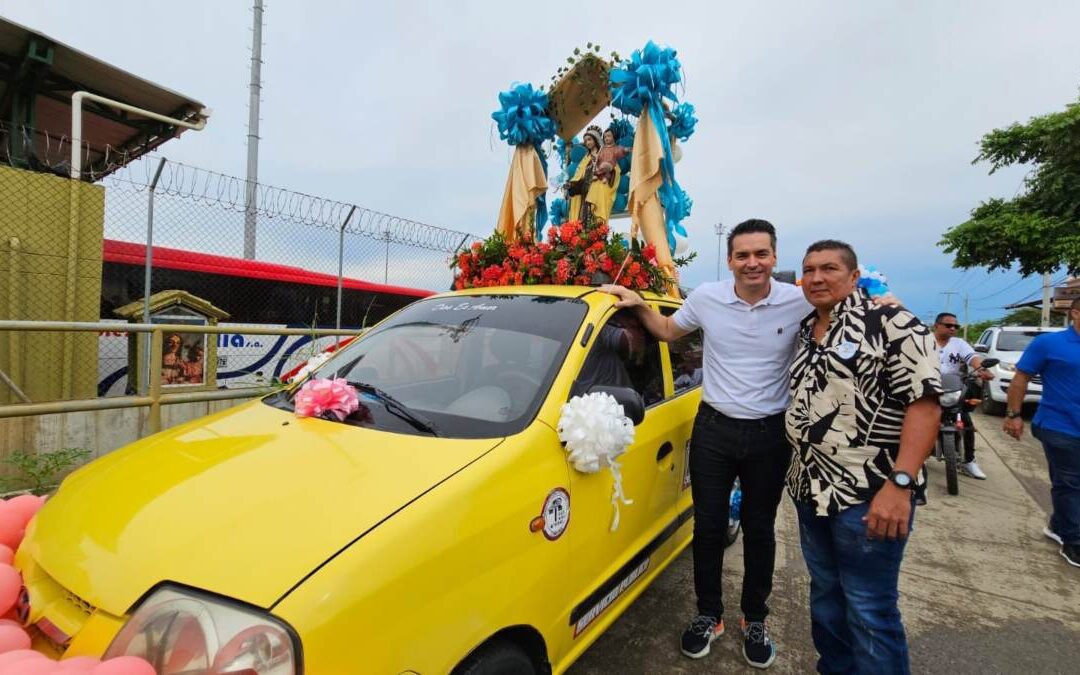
{"x":982,"y":590}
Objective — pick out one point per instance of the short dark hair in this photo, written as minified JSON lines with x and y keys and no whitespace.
{"x":847,"y":254}
{"x":752,"y":226}
{"x":943,"y":315}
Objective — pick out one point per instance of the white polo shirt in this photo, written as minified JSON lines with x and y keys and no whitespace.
{"x":748,"y":348}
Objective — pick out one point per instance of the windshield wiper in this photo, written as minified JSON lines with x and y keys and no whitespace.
{"x":396,"y":407}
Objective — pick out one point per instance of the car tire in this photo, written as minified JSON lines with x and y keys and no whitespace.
{"x":498,"y":657}
{"x":952,"y":458}
{"x":989,"y":405}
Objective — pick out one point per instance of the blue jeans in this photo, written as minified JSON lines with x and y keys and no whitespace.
{"x":854,"y":618}
{"x":1063,"y":456}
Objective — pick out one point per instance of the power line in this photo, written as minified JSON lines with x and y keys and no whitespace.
{"x":1002,"y":290}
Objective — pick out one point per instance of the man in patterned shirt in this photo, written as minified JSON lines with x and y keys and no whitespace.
{"x":862,"y":420}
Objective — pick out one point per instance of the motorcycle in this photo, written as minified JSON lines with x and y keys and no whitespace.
{"x":957,"y":391}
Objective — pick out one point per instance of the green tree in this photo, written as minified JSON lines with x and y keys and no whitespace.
{"x":1025,"y":316}
{"x":1039,"y":229}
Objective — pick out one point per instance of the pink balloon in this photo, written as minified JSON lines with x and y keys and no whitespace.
{"x":10,"y":584}
{"x":25,"y":506}
{"x":19,"y":655}
{"x":124,"y":665}
{"x":13,"y":638}
{"x":31,"y":667}
{"x":7,"y":556}
{"x":12,"y":528}
{"x":79,"y":664}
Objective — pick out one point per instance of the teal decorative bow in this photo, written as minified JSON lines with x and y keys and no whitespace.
{"x":641,"y":84}
{"x":523,"y":116}
{"x":645,"y":79}
{"x":523,"y":119}
{"x":560,"y":210}
{"x":873,"y":281}
{"x":682,"y":122}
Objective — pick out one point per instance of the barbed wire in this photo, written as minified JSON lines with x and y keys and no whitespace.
{"x":114,"y":168}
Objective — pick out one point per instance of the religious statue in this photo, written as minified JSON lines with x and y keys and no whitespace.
{"x":593,"y":186}
{"x":607,"y":168}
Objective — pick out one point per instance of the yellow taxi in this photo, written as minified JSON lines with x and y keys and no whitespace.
{"x":438,"y":529}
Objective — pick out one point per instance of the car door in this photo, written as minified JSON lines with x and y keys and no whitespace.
{"x":608,"y":564}
{"x":685,"y":356}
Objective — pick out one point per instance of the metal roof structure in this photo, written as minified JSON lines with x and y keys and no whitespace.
{"x":39,"y":75}
{"x":1062,"y":297}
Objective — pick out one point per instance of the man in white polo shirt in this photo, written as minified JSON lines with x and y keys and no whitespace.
{"x":749,"y":327}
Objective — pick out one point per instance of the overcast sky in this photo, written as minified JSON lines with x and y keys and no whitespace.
{"x":854,"y":120}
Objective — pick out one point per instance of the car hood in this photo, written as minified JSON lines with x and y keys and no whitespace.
{"x":245,"y":503}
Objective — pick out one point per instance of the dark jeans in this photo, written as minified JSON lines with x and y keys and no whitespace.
{"x":757,"y":453}
{"x":854,"y":618}
{"x":1063,"y":456}
{"x":969,"y":434}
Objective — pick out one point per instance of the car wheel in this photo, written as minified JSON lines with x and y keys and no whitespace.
{"x":499,"y":657}
{"x":952,"y":458}
{"x":989,"y":405}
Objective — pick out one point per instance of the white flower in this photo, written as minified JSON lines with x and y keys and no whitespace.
{"x":596,"y":432}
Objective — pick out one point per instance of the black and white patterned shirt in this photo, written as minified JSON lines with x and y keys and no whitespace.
{"x":849,"y":395}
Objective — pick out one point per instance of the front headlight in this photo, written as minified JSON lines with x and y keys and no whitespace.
{"x":1007,"y":367}
{"x":950,"y":398}
{"x":183,"y":631}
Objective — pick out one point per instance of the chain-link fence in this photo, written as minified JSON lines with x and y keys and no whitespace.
{"x":220,"y":251}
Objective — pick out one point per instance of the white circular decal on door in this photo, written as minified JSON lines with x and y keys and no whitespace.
{"x":556,"y":513}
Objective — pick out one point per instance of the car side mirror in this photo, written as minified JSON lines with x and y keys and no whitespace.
{"x":982,"y":349}
{"x":632,"y":403}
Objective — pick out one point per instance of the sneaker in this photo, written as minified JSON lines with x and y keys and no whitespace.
{"x":1071,"y":553}
{"x":758,"y":650}
{"x":1053,"y":535}
{"x":972,"y":469}
{"x":699,"y":635}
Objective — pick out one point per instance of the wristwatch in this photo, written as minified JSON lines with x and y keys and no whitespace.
{"x":1012,"y":414}
{"x":902,"y":479}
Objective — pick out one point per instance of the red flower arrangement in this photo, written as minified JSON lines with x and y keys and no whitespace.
{"x":574,"y":254}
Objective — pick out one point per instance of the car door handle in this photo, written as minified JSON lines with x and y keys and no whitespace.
{"x":664,"y":451}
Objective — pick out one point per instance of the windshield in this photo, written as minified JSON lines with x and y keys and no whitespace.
{"x":1016,"y":341}
{"x":470,"y":366}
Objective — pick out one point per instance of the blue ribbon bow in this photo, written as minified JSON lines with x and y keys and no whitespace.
{"x":873,"y":281}
{"x":682,"y":122}
{"x":523,"y":116}
{"x":523,"y":119}
{"x":641,"y":84}
{"x":560,"y":211}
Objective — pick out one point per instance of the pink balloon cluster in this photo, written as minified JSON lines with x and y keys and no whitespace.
{"x":322,"y":395}
{"x":16,"y":657}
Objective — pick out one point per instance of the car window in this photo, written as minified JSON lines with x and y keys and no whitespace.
{"x":686,"y":358}
{"x":623,"y":354}
{"x":984,"y":339}
{"x":1016,"y":341}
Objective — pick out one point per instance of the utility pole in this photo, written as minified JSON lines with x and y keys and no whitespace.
{"x":948,"y":296}
{"x":966,"y":304}
{"x":1046,"y":289}
{"x":255,"y":93}
{"x":719,"y":227}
